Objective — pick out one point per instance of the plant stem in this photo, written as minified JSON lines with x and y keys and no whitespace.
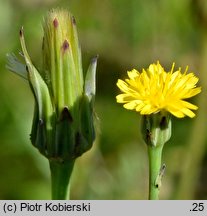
{"x":60,"y":179}
{"x":155,"y":157}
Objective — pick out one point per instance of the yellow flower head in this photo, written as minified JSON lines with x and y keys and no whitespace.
{"x":154,"y":90}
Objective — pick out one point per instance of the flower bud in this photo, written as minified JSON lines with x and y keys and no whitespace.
{"x":63,"y":123}
{"x":62,"y":65}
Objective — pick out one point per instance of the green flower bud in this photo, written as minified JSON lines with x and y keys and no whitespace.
{"x":62,"y":65}
{"x":156,"y":129}
{"x":63,"y":123}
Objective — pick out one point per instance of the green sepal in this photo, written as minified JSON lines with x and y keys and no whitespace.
{"x":76,"y":52}
{"x":37,"y":133}
{"x":156,"y":128}
{"x":87,"y":106}
{"x":87,"y":122}
{"x":42,"y":135}
{"x":90,"y":80}
{"x":69,"y":142}
{"x":70,"y":82}
{"x":64,"y":136}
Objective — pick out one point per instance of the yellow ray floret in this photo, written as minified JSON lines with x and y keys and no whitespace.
{"x":154,"y":90}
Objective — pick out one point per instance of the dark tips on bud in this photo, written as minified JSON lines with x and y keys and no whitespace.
{"x":65,"y":115}
{"x":21,"y":32}
{"x":163,"y":123}
{"x":55,"y":23}
{"x":73,"y":20}
{"x":94,"y":59}
{"x":65,"y":45}
{"x":41,"y":122}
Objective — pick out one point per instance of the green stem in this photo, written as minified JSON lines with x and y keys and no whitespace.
{"x":60,"y":179}
{"x":155,"y":157}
